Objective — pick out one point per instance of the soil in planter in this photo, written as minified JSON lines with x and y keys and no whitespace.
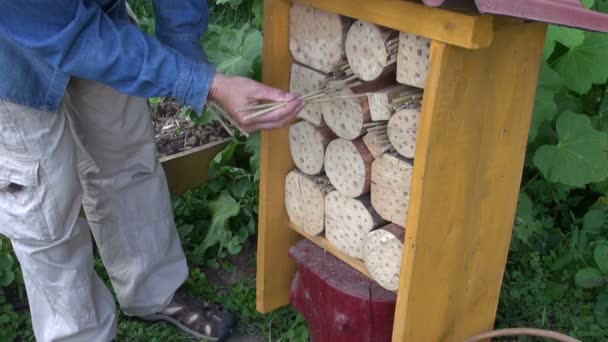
{"x":177,"y":133}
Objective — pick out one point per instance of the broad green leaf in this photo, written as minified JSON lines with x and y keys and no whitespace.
{"x":600,"y":255}
{"x":588,"y":3}
{"x":594,"y":220}
{"x":580,"y":156}
{"x":602,"y":6}
{"x":601,"y":310}
{"x":224,"y":157}
{"x":222,"y":209}
{"x":601,"y":187}
{"x":604,"y":105}
{"x":6,"y":278}
{"x":4,"y":318}
{"x":6,"y":262}
{"x":253,"y":147}
{"x":241,"y":187}
{"x":257,"y":9}
{"x":524,"y":207}
{"x":545,"y":107}
{"x":568,"y":36}
{"x":585,"y":64}
{"x":589,"y":278}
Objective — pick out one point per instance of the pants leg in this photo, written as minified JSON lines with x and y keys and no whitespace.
{"x":40,"y":196}
{"x":126,"y":198}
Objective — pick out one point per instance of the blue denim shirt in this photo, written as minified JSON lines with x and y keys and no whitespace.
{"x":44,"y":42}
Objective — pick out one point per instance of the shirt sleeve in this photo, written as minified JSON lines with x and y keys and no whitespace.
{"x":181,"y":24}
{"x":78,"y":38}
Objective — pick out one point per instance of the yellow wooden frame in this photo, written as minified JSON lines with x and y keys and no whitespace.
{"x":471,"y":144}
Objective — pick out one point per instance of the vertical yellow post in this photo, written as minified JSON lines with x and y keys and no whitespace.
{"x":274,"y":269}
{"x":471,"y":146}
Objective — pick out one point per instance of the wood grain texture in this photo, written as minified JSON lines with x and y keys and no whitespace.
{"x":188,"y":169}
{"x":456,"y":28}
{"x":471,"y":147}
{"x":274,"y":269}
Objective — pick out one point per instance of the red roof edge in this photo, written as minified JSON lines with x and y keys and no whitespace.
{"x":560,"y":12}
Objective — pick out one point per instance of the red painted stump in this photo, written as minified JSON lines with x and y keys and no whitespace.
{"x":339,"y":303}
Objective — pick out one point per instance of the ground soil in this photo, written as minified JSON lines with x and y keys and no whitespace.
{"x":177,"y":133}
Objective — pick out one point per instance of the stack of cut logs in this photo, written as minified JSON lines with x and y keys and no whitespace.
{"x":354,"y":150}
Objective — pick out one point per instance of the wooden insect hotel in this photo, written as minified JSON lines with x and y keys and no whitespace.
{"x":408,"y":168}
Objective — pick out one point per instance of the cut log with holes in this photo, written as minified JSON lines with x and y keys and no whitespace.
{"x":377,"y":141}
{"x":390,"y":190}
{"x":382,"y":255}
{"x":371,"y":50}
{"x":307,"y":144}
{"x":305,"y":201}
{"x":413,"y":59}
{"x":381,"y":102}
{"x":304,"y":81}
{"x":348,"y":166}
{"x":347,"y":117}
{"x":402,"y":130}
{"x":317,"y":37}
{"x":348,"y":221}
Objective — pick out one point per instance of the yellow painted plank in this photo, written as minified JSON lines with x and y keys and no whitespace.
{"x":322,"y":242}
{"x":190,"y":168}
{"x":274,"y":269}
{"x":456,"y":28}
{"x":470,"y":153}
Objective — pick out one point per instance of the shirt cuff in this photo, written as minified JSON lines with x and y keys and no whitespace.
{"x":194,"y":83}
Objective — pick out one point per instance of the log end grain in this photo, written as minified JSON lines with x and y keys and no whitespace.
{"x":390,"y":190}
{"x":366,"y":50}
{"x":345,"y":116}
{"x":305,"y":202}
{"x":307,"y":145}
{"x":402,"y":131}
{"x":413,"y":59}
{"x":316,"y":37}
{"x":383,"y":253}
{"x":348,"y":221}
{"x":348,"y":166}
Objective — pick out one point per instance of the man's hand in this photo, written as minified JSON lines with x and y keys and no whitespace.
{"x":234,"y":93}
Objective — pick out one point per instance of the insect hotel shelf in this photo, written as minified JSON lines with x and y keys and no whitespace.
{"x":470,"y":143}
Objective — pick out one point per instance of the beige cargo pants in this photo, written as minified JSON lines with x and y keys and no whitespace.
{"x":97,"y":150}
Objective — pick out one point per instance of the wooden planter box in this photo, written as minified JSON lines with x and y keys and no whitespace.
{"x":471,"y":144}
{"x":188,"y":169}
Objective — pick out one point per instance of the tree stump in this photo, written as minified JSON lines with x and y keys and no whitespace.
{"x":402,"y":131}
{"x":304,"y":81}
{"x":371,"y":50}
{"x":383,"y":255}
{"x":307,"y":144}
{"x":348,"y":166}
{"x":339,"y":303}
{"x":390,"y":190}
{"x":413,"y":59}
{"x":347,"y":222}
{"x":305,"y":201}
{"x":317,"y":37}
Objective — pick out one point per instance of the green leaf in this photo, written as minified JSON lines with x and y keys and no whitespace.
{"x":594,"y":220}
{"x":589,"y":278}
{"x":241,"y":188}
{"x":223,"y":158}
{"x":222,"y":209}
{"x":568,"y":36}
{"x":6,"y":278}
{"x":588,"y":3}
{"x":4,"y":318}
{"x":601,"y":310}
{"x":600,"y":255}
{"x":545,"y":107}
{"x":585,"y":64}
{"x":580,"y":156}
{"x":6,"y":262}
{"x":601,"y":187}
{"x":257,"y":9}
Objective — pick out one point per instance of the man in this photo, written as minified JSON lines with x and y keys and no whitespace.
{"x":75,"y":129}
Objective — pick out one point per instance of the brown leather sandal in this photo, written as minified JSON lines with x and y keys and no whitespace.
{"x":196,"y":317}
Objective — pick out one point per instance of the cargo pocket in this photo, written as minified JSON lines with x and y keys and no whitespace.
{"x":26,"y":203}
{"x":10,"y":137}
